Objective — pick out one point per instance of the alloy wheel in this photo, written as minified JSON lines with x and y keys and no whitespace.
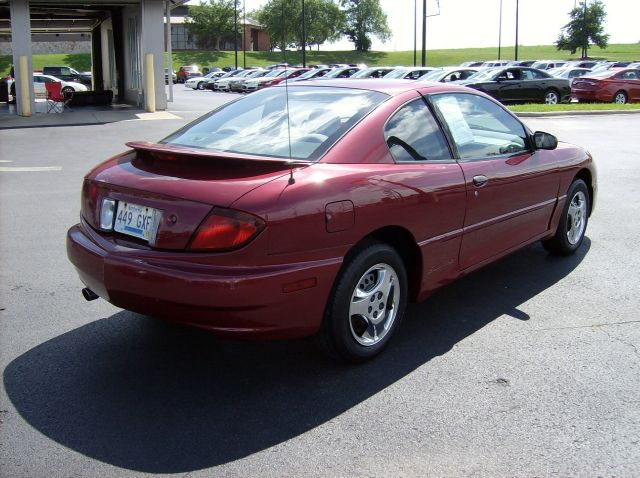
{"x":374,"y":304}
{"x":576,"y":215}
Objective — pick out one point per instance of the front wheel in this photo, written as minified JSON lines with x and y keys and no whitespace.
{"x":573,"y":222}
{"x":366,"y":306}
{"x":68,"y":89}
{"x":201,"y":86}
{"x":551,"y":97}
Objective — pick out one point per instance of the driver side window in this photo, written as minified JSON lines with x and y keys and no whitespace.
{"x":479,"y":127}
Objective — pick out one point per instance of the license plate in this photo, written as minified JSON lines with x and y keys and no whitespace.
{"x":137,"y":221}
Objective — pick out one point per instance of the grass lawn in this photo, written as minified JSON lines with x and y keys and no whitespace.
{"x":82,"y":61}
{"x":539,"y":108}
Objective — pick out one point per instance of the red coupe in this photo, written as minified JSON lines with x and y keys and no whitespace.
{"x":618,"y":85}
{"x":323,"y":208}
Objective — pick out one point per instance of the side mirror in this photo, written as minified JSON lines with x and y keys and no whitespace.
{"x":544,"y":140}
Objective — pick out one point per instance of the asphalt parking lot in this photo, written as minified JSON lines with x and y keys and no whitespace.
{"x":528,"y":367}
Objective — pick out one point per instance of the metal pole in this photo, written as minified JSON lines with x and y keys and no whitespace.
{"x":424,"y":32}
{"x":517,"y":8}
{"x":415,"y":32}
{"x":500,"y":31}
{"x":235,"y":29}
{"x":169,"y":50}
{"x":584,"y":27}
{"x":244,"y":34}
{"x":304,"y":38}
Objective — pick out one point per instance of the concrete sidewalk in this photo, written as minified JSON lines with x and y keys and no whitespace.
{"x":79,"y":116}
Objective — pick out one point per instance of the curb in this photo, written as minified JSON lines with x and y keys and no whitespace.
{"x":543,"y":114}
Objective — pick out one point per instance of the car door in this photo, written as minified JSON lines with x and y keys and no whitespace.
{"x":511,"y":189}
{"x":509,"y":86}
{"x":427,"y":175}
{"x":632,"y":80}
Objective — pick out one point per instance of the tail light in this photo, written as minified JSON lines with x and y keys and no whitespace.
{"x":89,"y":202}
{"x":225,"y":230}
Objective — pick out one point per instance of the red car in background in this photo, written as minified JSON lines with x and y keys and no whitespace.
{"x":276,"y":77}
{"x":618,"y":85}
{"x":324,"y":207}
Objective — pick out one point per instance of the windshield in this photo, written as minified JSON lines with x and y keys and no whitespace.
{"x":256,"y":73}
{"x":259,"y":125}
{"x":335,"y":72}
{"x":363,"y":73}
{"x":274,"y":73}
{"x":434,"y":75}
{"x":484,"y":74}
{"x":310,"y":74}
{"x":601,"y":74}
{"x":399,"y":73}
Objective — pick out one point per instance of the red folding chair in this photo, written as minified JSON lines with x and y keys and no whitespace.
{"x":57,"y":100}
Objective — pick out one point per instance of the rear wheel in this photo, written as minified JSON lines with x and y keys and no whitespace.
{"x":201,"y":85}
{"x":620,"y":97}
{"x":366,"y":305}
{"x":573,"y":222}
{"x":551,"y":97}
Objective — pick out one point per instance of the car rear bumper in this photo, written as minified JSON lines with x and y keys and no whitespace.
{"x":271,"y":301}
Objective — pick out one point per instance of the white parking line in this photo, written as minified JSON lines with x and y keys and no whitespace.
{"x":6,"y":161}
{"x":31,"y":169}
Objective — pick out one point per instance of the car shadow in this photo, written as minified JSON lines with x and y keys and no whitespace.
{"x":149,"y":396}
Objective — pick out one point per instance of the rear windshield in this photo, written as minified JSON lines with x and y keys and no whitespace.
{"x":259,"y":124}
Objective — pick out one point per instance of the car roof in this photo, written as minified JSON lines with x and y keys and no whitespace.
{"x":390,"y":87}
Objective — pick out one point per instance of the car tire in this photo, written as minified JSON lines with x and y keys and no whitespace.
{"x":620,"y":98}
{"x":551,"y":97}
{"x":200,"y":86}
{"x":573,"y":221}
{"x":366,"y":305}
{"x":68,"y":89}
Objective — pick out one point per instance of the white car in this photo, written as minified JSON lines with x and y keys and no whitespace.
{"x":198,"y":82}
{"x":223,"y":83}
{"x":40,"y":91}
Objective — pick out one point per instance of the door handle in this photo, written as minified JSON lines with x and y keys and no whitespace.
{"x":480,"y":180}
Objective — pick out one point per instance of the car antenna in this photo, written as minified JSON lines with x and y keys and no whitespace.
{"x":286,"y":92}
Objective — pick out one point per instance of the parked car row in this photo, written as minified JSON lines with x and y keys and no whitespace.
{"x":505,"y":83}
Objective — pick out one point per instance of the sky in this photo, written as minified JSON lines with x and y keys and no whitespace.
{"x":475,"y":23}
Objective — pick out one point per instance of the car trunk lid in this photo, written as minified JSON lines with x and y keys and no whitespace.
{"x":182,"y":184}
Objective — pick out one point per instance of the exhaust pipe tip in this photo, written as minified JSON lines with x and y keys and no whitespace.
{"x":89,"y":295}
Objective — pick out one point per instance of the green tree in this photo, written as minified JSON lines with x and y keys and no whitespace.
{"x":586,"y":27}
{"x":324,"y":22}
{"x":363,"y":19}
{"x":282,"y":19}
{"x":211,"y":21}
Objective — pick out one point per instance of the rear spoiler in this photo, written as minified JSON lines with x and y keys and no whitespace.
{"x":167,"y":151}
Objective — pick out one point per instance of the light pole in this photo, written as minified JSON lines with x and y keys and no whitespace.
{"x":415,"y":31}
{"x":500,"y":31}
{"x":424,"y":32}
{"x":304,"y":38}
{"x":585,"y":47}
{"x":517,"y":7}
{"x":235,"y":29}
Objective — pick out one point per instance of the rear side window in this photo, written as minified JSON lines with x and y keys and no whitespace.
{"x":412,"y":134}
{"x":295,"y":122}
